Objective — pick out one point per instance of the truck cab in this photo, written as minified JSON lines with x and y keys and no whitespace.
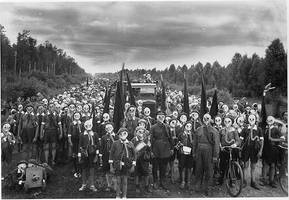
{"x":147,"y":93}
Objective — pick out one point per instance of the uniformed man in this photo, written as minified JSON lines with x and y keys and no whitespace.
{"x":162,"y":148}
{"x":206,"y":152}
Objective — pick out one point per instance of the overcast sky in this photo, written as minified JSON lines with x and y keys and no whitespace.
{"x":103,"y":35}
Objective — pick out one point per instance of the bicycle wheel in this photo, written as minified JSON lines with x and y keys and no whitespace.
{"x":283,"y":180}
{"x":234,"y":179}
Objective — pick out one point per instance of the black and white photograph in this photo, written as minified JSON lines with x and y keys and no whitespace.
{"x":144,"y":99}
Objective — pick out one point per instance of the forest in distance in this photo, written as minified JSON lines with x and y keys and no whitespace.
{"x":28,"y":68}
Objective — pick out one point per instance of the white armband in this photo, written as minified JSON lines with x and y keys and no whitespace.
{"x":59,"y":123}
{"x":97,"y":151}
{"x":261,"y":138}
{"x":110,"y":161}
{"x":69,"y":135}
{"x":282,"y":137}
{"x":100,"y":155}
{"x":134,"y":163}
{"x":241,"y":138}
{"x":42,"y":123}
{"x":79,"y":154}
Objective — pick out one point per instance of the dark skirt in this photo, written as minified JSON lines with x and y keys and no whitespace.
{"x":142,"y":167}
{"x":185,"y":161}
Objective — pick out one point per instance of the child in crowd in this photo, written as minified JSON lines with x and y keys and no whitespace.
{"x":122,"y":161}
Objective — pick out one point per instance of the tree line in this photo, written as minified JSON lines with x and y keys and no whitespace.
{"x":243,"y":76}
{"x":28,"y":68}
{"x":26,"y":56}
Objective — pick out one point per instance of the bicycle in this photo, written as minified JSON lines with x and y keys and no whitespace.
{"x":234,"y":176}
{"x":282,"y":173}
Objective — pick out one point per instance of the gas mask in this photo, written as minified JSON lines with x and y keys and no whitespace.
{"x":147,"y":111}
{"x":123,"y":135}
{"x":188,"y":126}
{"x":105,"y":117}
{"x":240,"y":121}
{"x":195,"y":115}
{"x":86,"y":108}
{"x":175,"y":114}
{"x":76,"y":116}
{"x":20,"y":108}
{"x":270,"y":120}
{"x":45,"y":101}
{"x":161,"y":118}
{"x":88,"y":125}
{"x":227,"y":122}
{"x":79,"y":108}
{"x":225,"y":108}
{"x":139,"y":109}
{"x":29,"y":109}
{"x":252,"y":119}
{"x":235,"y":107}
{"x":40,"y":109}
{"x":218,"y":121}
{"x":167,"y":119}
{"x":173,"y":123}
{"x":140,"y":103}
{"x":207,"y":119}
{"x":142,"y":124}
{"x":183,"y":119}
{"x":140,"y":134}
{"x":179,"y":107}
{"x":72,"y":107}
{"x":109,"y":128}
{"x":6,"y":127}
{"x":131,"y":111}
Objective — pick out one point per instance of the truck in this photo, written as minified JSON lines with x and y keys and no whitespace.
{"x":145,"y":92}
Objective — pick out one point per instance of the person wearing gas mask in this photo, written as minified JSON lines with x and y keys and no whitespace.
{"x":143,"y":157}
{"x":85,"y":115}
{"x":228,"y":137}
{"x":40,"y":114}
{"x":183,"y":119}
{"x":105,"y":147}
{"x":130,"y":122}
{"x":272,"y":154}
{"x":206,"y":152}
{"x":87,"y":155}
{"x":105,"y":120}
{"x":162,"y":149}
{"x":253,"y":141}
{"x":195,"y":120}
{"x":63,"y":150}
{"x":186,"y":161}
{"x":50,"y":131}
{"x":7,"y":144}
{"x":175,"y":131}
{"x":148,"y":118}
{"x":122,"y":159}
{"x":140,"y":109}
{"x":17,"y":118}
{"x":28,"y":131}
{"x":218,"y":123}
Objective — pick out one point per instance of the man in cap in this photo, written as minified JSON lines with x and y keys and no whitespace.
{"x":162,"y":148}
{"x":206,"y":152}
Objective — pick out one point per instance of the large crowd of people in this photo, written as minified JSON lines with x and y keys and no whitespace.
{"x":63,"y":127}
